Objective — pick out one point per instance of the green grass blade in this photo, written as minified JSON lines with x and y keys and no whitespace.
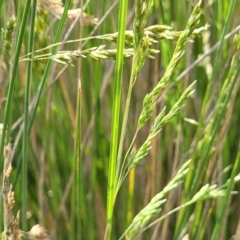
{"x":116,"y":109}
{"x":24,"y":172}
{"x":13,"y":77}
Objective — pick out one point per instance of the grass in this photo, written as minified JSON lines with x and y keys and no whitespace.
{"x":121,"y":127}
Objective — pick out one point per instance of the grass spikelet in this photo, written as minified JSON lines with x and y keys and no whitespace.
{"x":160,"y":120}
{"x":154,"y":207}
{"x":7,"y":33}
{"x":96,"y":53}
{"x":153,"y":33}
{"x":206,"y":192}
{"x":150,"y":100}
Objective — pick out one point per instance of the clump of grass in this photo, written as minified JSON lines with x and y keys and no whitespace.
{"x":93,"y":156}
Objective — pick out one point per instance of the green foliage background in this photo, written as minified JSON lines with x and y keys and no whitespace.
{"x":53,"y":150}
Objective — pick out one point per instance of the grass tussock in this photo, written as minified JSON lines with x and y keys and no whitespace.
{"x":119,"y":126}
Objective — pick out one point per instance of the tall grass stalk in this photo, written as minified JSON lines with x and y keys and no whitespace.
{"x":25,"y":122}
{"x":13,"y":76}
{"x":141,"y":46}
{"x":77,"y":185}
{"x":7,"y":110}
{"x":142,"y":13}
{"x":117,"y":86}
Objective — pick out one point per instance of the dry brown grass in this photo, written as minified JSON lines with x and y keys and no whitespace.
{"x":56,"y":8}
{"x":11,"y":223}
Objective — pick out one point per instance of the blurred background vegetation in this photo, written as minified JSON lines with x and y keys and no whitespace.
{"x":51,"y":139}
